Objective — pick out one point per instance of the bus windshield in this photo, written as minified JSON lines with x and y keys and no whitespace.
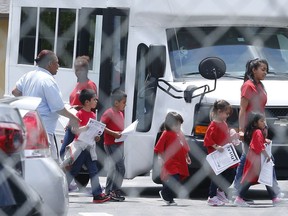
{"x":235,"y":45}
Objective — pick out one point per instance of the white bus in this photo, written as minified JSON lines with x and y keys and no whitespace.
{"x":152,"y":50}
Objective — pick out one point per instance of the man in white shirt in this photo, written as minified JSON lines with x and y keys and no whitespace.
{"x":41,"y":83}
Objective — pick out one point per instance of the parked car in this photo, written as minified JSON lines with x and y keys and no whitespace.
{"x":40,"y":170}
{"x":16,"y":196}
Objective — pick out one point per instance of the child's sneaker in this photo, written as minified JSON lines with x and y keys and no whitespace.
{"x":101,"y":198}
{"x":166,"y":201}
{"x":222,"y":196}
{"x":240,"y":202}
{"x":277,"y":201}
{"x":215,"y":201}
{"x":116,"y":196}
{"x":170,"y":203}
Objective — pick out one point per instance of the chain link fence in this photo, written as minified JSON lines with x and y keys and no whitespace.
{"x":112,"y":36}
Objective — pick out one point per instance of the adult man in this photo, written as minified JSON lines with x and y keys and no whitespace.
{"x":41,"y":83}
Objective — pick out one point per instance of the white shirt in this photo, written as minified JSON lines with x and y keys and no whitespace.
{"x":41,"y":83}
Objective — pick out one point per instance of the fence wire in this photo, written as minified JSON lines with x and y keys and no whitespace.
{"x":71,"y":32}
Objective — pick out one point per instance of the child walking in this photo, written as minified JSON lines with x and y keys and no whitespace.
{"x":216,"y":137}
{"x":254,"y":135}
{"x":88,"y":152}
{"x":172,"y":149}
{"x":114,"y":120}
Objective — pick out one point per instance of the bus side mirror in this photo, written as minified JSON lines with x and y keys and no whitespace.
{"x":156,"y":60}
{"x":212,"y":68}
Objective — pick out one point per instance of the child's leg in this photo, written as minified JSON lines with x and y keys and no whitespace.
{"x":271,"y":192}
{"x":93,"y":173}
{"x":228,"y":178}
{"x":76,"y":167}
{"x":111,"y":172}
{"x":212,"y":189}
{"x":244,"y":188}
{"x":170,"y":187}
{"x":120,"y":167}
{"x":68,"y":138}
{"x":239,"y":173}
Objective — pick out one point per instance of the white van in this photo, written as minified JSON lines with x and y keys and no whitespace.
{"x":152,"y":50}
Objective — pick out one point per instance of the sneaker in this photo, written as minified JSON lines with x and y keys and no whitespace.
{"x":222,"y":196}
{"x":166,"y":201}
{"x":101,"y":198}
{"x":215,"y":201}
{"x":277,"y":201}
{"x":240,"y":202}
{"x":281,"y":195}
{"x":249,"y":201}
{"x":72,"y":186}
{"x":116,"y":196}
{"x":170,"y":203}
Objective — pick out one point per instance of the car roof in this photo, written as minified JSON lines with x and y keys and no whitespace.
{"x":22,"y":102}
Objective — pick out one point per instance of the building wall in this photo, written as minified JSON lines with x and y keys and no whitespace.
{"x":3,"y":42}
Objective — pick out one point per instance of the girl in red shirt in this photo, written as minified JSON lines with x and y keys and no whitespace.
{"x":172,"y":149}
{"x":217,"y":135}
{"x":254,"y":134}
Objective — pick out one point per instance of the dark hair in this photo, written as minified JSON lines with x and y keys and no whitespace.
{"x":117,"y":95}
{"x":172,"y":119}
{"x":253,"y":119}
{"x":251,"y":65}
{"x":86,"y":94}
{"x":44,"y":58}
{"x":82,"y":61}
{"x":221,"y":105}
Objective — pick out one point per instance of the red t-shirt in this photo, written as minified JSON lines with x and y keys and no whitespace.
{"x":84,"y":116}
{"x":114,"y":120}
{"x":173,"y":148}
{"x":253,"y":159}
{"x":74,"y":96}
{"x":217,"y":133}
{"x":256,"y":95}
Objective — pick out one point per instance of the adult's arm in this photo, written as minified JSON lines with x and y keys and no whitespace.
{"x":74,"y":120}
{"x":242,"y":113}
{"x":16,"y":92}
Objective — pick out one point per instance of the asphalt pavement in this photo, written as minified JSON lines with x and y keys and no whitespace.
{"x":142,"y":198}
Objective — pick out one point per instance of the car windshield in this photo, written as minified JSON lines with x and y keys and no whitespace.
{"x":188,"y":46}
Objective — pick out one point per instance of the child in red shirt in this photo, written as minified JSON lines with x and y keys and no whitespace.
{"x":255,"y":136}
{"x":87,"y":151}
{"x":114,"y":120}
{"x":173,"y":150}
{"x":81,"y":67}
{"x":218,"y":135}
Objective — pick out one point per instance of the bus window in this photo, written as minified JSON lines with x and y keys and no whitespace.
{"x":141,"y":106}
{"x":65,"y":37}
{"x":27,"y":35}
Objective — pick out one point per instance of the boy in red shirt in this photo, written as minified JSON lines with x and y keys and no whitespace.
{"x":114,"y":120}
{"x":87,"y":151}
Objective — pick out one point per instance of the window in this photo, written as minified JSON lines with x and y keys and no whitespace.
{"x":142,"y":108}
{"x":27,"y":35}
{"x":51,"y":22}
